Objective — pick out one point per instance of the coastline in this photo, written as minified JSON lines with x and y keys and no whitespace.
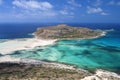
{"x":80,"y":74}
{"x":103,"y":75}
{"x":98,"y":75}
{"x":23,"y":44}
{"x":51,"y":71}
{"x":29,"y":43}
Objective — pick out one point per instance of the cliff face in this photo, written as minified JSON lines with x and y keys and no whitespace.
{"x":65,"y":32}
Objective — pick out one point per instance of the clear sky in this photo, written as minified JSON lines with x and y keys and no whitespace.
{"x":76,"y":11}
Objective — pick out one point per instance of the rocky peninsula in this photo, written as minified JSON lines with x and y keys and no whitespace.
{"x":67,"y":32}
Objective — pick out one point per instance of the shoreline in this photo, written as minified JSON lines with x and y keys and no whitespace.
{"x":99,"y":74}
{"x":51,"y":71}
{"x":29,"y":43}
{"x":23,"y":44}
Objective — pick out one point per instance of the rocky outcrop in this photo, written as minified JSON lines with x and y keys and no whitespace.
{"x":16,"y":71}
{"x":66,"y":32}
{"x":103,"y":75}
{"x":50,"y":71}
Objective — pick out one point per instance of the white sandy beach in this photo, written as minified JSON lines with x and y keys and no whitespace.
{"x":21,"y":44}
{"x":10,"y":59}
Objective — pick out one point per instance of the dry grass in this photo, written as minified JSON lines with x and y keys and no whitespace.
{"x":38,"y":72}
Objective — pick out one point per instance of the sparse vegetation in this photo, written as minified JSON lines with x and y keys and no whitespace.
{"x":14,"y":71}
{"x":66,"y":32}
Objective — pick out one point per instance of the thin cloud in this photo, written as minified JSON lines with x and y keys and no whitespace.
{"x":33,"y":8}
{"x":104,"y":14}
{"x":31,"y":5}
{"x":114,"y":3}
{"x":64,"y":12}
{"x":111,"y":3}
{"x":95,"y":3}
{"x":98,"y":3}
{"x":74,"y":3}
{"x":69,"y":8}
{"x":94,"y":10}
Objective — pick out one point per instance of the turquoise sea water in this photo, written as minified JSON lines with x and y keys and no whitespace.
{"x":91,"y":54}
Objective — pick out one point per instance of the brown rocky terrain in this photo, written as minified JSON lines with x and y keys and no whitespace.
{"x":23,"y":71}
{"x":66,"y":32}
{"x":15,"y":71}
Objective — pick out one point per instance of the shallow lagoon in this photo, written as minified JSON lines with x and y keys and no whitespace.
{"x":100,"y":53}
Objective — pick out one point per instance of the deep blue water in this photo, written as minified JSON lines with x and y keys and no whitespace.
{"x":23,"y":30}
{"x":99,"y":53}
{"x":16,"y":30}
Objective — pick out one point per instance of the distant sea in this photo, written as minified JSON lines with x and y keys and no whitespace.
{"x":90,"y":54}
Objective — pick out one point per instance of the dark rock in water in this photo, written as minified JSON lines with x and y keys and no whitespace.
{"x":112,"y":46}
{"x":40,"y":49}
{"x":87,"y":43}
{"x":46,"y":60}
{"x":16,"y":53}
{"x":77,"y":54}
{"x":110,"y":49}
{"x":66,"y":32}
{"x":107,"y":48}
{"x":1,"y":55}
{"x":63,"y":56}
{"x":86,"y":52}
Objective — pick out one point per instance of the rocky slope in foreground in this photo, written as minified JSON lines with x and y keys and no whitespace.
{"x":22,"y":71}
{"x":66,"y":32}
{"x":15,"y":71}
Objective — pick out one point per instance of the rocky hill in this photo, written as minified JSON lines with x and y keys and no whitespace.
{"x":16,"y":71}
{"x":66,"y":32}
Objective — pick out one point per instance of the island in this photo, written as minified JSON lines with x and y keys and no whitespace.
{"x":67,"y":32}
